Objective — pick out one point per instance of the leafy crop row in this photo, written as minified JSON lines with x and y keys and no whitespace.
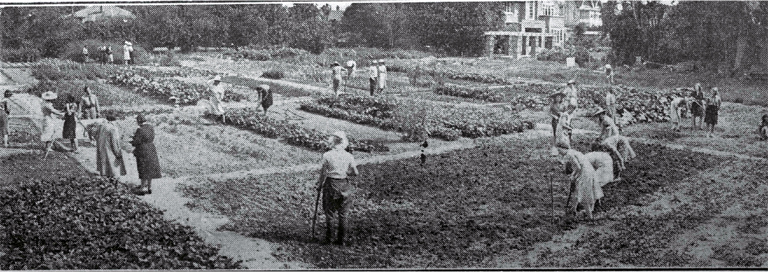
{"x":254,"y":120}
{"x":167,"y":88}
{"x":94,"y":223}
{"x":417,"y":121}
{"x":484,"y":94}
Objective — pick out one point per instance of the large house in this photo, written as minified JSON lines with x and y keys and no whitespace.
{"x":530,"y":26}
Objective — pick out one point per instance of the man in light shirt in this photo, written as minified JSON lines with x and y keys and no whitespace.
{"x":373,"y":75}
{"x":337,"y":164}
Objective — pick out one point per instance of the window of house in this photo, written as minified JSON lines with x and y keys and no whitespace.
{"x":531,"y":9}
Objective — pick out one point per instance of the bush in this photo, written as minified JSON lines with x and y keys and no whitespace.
{"x":484,"y":94}
{"x":24,"y":54}
{"x":55,"y":69}
{"x":94,"y":223}
{"x":274,"y":74}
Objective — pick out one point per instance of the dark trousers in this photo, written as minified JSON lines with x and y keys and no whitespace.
{"x":372,"y":81}
{"x":334,"y":203}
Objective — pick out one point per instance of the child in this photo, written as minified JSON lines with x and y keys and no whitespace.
{"x":266,"y":96}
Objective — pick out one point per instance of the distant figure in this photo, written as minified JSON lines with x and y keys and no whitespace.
{"x":71,"y":110}
{"x":610,"y":105}
{"x":609,"y":73}
{"x":127,"y":50}
{"x":109,"y":157}
{"x":556,"y":108}
{"x":763,"y":129}
{"x":216,"y":97}
{"x":336,"y":71}
{"x":145,"y":152}
{"x":373,"y":74}
{"x":265,"y":95}
{"x":697,"y":106}
{"x":102,"y":54}
{"x":337,"y":164}
{"x":89,"y":104}
{"x":713,"y":108}
{"x":351,"y":67}
{"x":382,"y":76}
{"x":5,"y":111}
{"x":85,"y":54}
{"x":110,"y":56}
{"x":676,"y":110}
{"x":572,"y":96}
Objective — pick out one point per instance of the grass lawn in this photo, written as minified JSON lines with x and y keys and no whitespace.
{"x":449,"y":213}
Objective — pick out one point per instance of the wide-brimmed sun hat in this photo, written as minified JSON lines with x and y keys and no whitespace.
{"x":572,"y":81}
{"x":341,"y":139}
{"x":598,"y":112}
{"x":128,"y":43}
{"x":381,"y":61}
{"x":558,"y":93}
{"x":217,"y":78}
{"x":49,"y":95}
{"x":263,"y":87}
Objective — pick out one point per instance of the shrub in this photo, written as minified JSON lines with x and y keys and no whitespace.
{"x":24,"y":54}
{"x":484,"y":94}
{"x":55,"y":69}
{"x":274,"y":74}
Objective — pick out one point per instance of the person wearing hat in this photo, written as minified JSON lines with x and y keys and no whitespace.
{"x":373,"y":74}
{"x":5,"y":111}
{"x":145,"y":152}
{"x":49,"y":124}
{"x":607,"y":127}
{"x":89,"y":104}
{"x":713,"y":108}
{"x":127,"y":50}
{"x":110,"y":161}
{"x":217,"y":95}
{"x":382,"y":76}
{"x":337,"y":164}
{"x":110,"y":56}
{"x":582,"y":175}
{"x":265,"y":95}
{"x":697,"y":106}
{"x":572,"y":96}
{"x":609,"y":73}
{"x":676,"y":107}
{"x":336,"y":72}
{"x":556,"y":109}
{"x":351,"y":67}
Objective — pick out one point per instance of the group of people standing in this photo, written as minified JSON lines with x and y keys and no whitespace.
{"x":377,"y":75}
{"x":702,"y":107}
{"x":110,"y":161}
{"x":106,"y":55}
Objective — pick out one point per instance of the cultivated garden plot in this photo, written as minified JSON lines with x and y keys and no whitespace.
{"x":462,"y":209}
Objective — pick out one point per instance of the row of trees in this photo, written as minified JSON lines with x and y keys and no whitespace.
{"x":724,"y":34}
{"x":455,"y":28}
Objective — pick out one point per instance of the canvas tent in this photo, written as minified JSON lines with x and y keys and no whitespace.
{"x":99,"y":13}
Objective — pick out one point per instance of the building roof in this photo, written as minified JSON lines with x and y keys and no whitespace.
{"x":335,"y":15}
{"x":96,"y":13}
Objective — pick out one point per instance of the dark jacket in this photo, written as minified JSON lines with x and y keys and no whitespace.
{"x":146,"y":155}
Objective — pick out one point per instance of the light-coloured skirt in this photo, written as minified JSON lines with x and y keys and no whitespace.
{"x":50,"y":129}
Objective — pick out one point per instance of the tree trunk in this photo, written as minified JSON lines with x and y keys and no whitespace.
{"x":742,"y":43}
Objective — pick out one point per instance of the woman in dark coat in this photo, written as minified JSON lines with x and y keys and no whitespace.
{"x":147,"y":163}
{"x":71,"y":109}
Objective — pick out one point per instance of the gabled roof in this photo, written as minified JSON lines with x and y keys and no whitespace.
{"x":95,"y":13}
